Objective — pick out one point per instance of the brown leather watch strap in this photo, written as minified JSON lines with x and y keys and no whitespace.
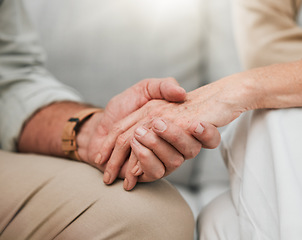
{"x":69,"y":144}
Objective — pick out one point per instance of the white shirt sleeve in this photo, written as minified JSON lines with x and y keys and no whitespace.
{"x":25,"y":85}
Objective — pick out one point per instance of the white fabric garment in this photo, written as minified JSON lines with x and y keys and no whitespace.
{"x":263,"y":153}
{"x":262,"y":149}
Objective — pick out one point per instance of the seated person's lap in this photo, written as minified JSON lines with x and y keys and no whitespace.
{"x":45,"y":198}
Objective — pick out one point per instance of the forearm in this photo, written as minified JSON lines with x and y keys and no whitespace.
{"x":42,"y":133}
{"x":219,"y":103}
{"x":274,"y":86}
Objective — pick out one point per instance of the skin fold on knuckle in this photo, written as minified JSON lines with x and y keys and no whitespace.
{"x":175,"y":137}
{"x":116,"y":129}
{"x":159,"y":174}
{"x":152,"y":172}
{"x":107,"y":147}
{"x":155,"y":175}
{"x":113,"y":167}
{"x":122,"y":142}
{"x":194,"y":150}
{"x":151,"y":142}
{"x":177,"y":162}
{"x":142,"y":155}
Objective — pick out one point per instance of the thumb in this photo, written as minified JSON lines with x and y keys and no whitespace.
{"x":165,"y":88}
{"x":206,"y":133}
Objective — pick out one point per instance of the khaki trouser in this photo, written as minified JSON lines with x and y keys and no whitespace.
{"x":51,"y":198}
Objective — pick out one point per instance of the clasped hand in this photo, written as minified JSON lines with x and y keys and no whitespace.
{"x":146,"y":132}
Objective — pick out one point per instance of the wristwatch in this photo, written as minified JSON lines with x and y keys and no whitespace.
{"x":71,"y":128}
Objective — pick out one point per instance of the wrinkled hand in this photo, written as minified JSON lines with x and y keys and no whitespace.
{"x":206,"y":104}
{"x":158,"y":151}
{"x":94,"y":131}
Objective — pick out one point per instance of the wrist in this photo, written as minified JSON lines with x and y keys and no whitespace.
{"x":90,"y":136}
{"x":42,"y":132}
{"x":72,"y":130}
{"x":243,"y":92}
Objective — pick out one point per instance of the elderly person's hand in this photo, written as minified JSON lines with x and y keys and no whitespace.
{"x":219,"y":103}
{"x":93,"y":132}
{"x":43,"y":130}
{"x":155,"y":151}
{"x":208,"y":107}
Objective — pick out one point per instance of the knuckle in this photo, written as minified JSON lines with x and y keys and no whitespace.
{"x":153,"y":176}
{"x":112,"y":166}
{"x":142,"y":155}
{"x":121,"y":141}
{"x":159,"y":174}
{"x":117,"y":129}
{"x":153,"y":144}
{"x":175,"y":138}
{"x":107,"y":146}
{"x":182,"y":122}
{"x":178,"y":162}
{"x":195,"y":150}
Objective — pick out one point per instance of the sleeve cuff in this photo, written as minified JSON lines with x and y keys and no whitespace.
{"x":19,"y":102}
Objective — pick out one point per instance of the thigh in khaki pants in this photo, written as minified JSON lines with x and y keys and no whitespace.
{"x":51,"y":198}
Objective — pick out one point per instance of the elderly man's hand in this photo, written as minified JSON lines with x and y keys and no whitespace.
{"x":93,"y":132}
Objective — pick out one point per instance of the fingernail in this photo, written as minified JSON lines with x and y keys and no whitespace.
{"x":181,"y":89}
{"x":135,"y":169}
{"x":126,"y":182}
{"x":98,"y":158}
{"x":160,"y":125}
{"x":141,"y":131}
{"x":199,"y":129}
{"x":106,"y":177}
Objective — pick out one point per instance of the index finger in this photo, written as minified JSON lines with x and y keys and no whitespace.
{"x":119,"y":154}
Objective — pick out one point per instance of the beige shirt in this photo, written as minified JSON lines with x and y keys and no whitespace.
{"x":267,"y":31}
{"x":25,"y":85}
